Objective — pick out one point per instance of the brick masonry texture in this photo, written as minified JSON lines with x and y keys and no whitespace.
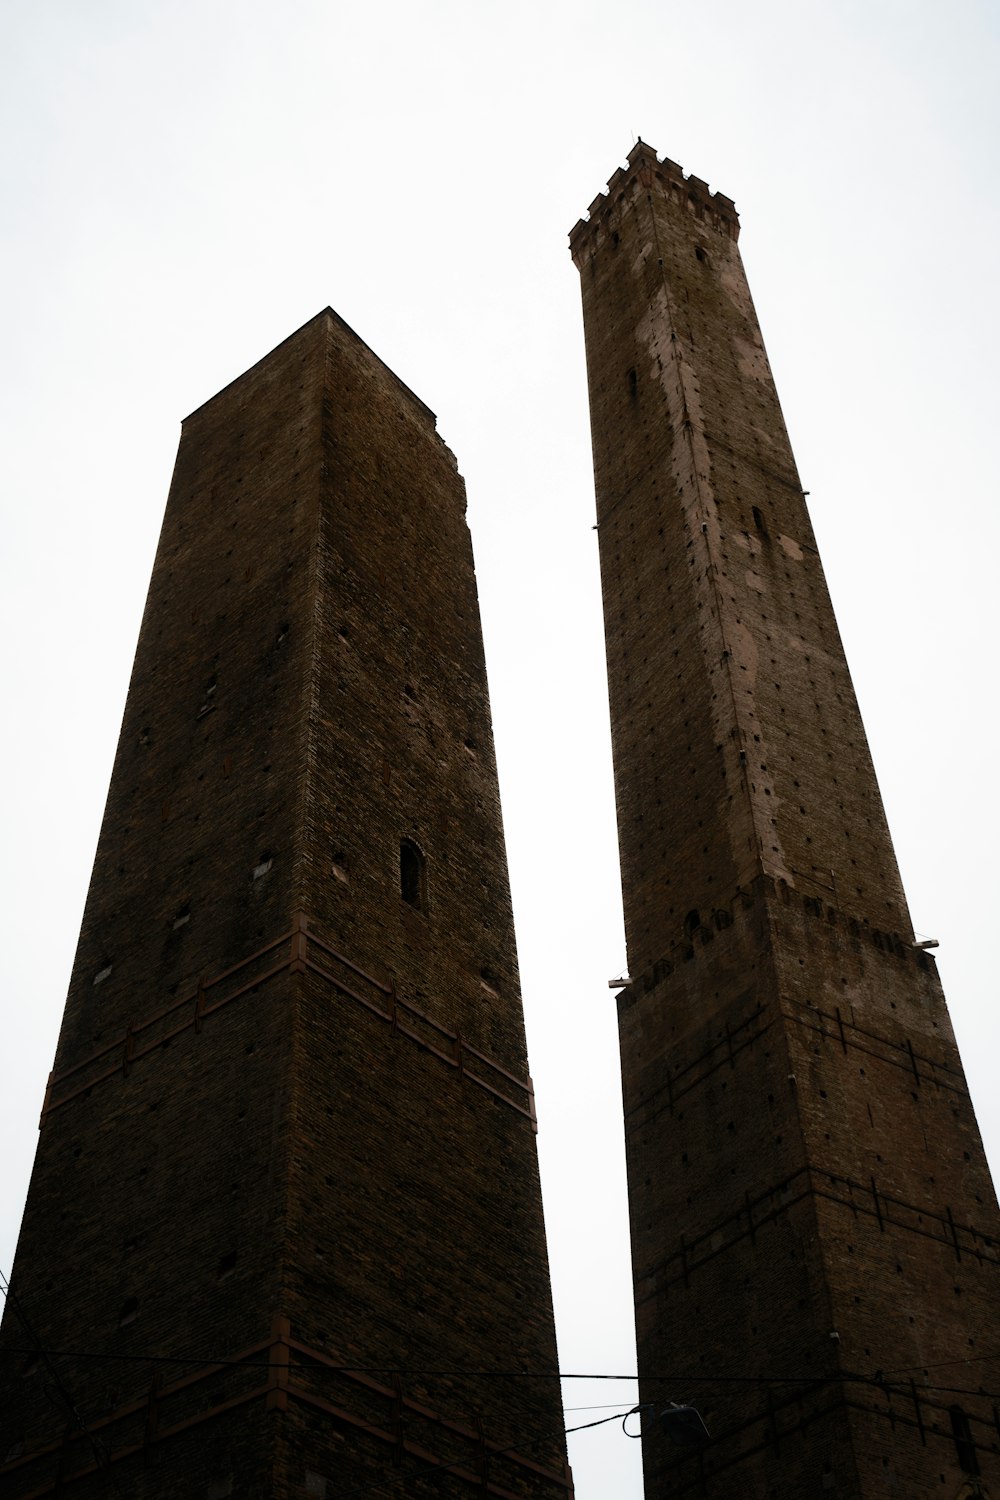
{"x":816,"y":1241}
{"x":289,"y":1124}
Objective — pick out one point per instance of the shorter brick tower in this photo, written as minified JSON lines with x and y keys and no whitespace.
{"x":816,"y":1241}
{"x":284,"y":1234}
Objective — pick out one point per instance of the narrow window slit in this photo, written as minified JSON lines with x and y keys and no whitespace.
{"x":412,"y":875}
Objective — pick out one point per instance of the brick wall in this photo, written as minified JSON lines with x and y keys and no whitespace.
{"x":290,"y":1122}
{"x":809,"y":1198}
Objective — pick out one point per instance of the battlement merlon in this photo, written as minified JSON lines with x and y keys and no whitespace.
{"x":644,"y":170}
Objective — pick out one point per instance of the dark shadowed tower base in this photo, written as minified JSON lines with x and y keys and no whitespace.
{"x":285,"y":1225}
{"x":815,"y":1234}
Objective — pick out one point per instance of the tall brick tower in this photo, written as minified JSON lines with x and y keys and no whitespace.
{"x":815,"y":1234}
{"x":284,"y":1235}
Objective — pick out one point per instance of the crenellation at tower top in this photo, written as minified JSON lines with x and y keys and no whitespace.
{"x":645,"y":167}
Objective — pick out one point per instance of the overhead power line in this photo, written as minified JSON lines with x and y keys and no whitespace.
{"x":676,"y":1379}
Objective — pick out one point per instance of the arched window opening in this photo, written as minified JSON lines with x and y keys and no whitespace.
{"x":412,"y":875}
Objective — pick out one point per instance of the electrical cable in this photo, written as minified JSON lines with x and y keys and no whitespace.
{"x":598,"y":1406}
{"x":877,"y":1380}
{"x":499,"y":1452}
{"x":97,"y":1447}
{"x":613,"y":1418}
{"x":675,"y":1378}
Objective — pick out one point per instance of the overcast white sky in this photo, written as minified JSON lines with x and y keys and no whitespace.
{"x":183,"y":184}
